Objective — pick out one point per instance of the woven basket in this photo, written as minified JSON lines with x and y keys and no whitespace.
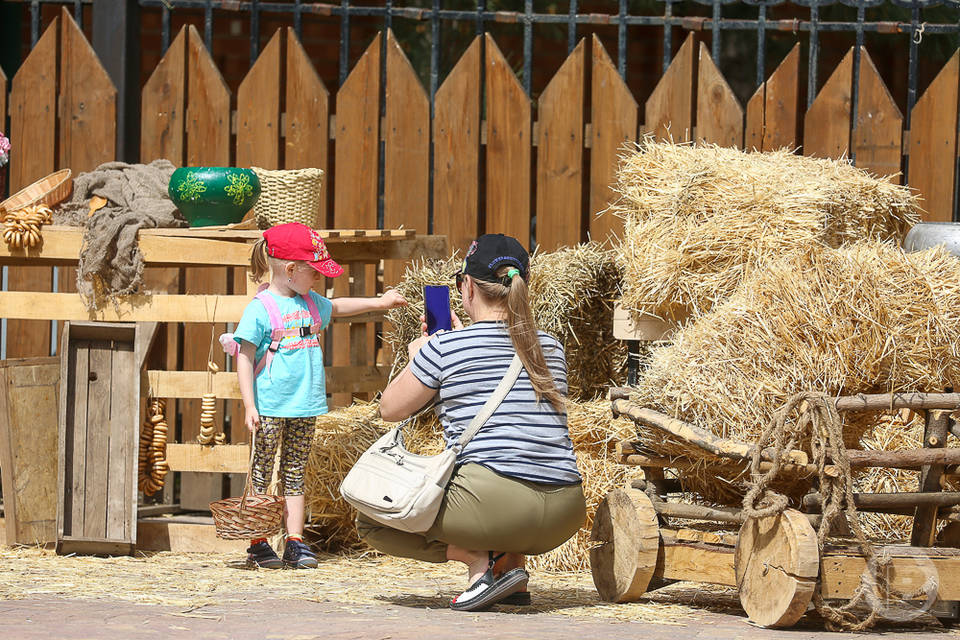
{"x":51,"y":191}
{"x":289,"y":195}
{"x":253,"y":515}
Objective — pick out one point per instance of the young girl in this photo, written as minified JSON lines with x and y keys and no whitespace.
{"x":280,"y":369}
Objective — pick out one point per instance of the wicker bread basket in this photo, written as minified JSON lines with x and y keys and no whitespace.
{"x":253,"y":515}
{"x":289,"y":195}
{"x":51,"y":191}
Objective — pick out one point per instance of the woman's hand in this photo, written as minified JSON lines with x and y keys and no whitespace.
{"x":251,"y":419}
{"x":455,"y":324}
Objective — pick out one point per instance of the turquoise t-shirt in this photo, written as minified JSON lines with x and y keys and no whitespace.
{"x":295,"y":386}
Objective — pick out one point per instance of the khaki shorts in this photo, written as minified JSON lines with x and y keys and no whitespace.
{"x":485,"y":511}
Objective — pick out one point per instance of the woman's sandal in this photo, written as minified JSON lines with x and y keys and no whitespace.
{"x":487,"y":590}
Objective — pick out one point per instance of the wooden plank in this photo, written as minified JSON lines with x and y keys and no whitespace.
{"x":97,"y":462}
{"x":933,"y":143}
{"x":614,"y":118}
{"x":163,"y":102}
{"x":406,"y":179}
{"x":878,"y":135}
{"x":308,"y":116}
{"x":456,"y":151}
{"x":33,"y":111}
{"x":87,"y":105}
{"x":29,"y":400}
{"x":719,"y":114}
{"x":690,"y":561}
{"x":66,"y":409}
{"x":184,"y":535}
{"x":223,"y":458}
{"x":560,"y":155}
{"x":773,"y":108}
{"x":76,"y":425}
{"x":191,"y":384}
{"x":258,"y":110}
{"x":669,"y":109}
{"x":840,"y":575}
{"x":508,"y":149}
{"x":121,"y":449}
{"x":826,"y":125}
{"x":355,"y":189}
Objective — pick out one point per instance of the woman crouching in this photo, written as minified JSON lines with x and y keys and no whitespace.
{"x":516,"y":490}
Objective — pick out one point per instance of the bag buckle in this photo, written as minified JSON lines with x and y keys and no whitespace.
{"x":305,"y":331}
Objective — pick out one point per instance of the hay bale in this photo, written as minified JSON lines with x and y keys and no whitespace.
{"x":571,"y":294}
{"x":698,"y":220}
{"x":863,"y":319}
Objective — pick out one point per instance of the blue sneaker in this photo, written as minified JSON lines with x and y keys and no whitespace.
{"x":297,"y":555}
{"x":262,"y":555}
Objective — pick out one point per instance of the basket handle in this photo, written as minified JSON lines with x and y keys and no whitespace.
{"x":248,"y":484}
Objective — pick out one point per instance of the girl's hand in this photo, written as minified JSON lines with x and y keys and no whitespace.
{"x":391,"y":299}
{"x":252,"y":420}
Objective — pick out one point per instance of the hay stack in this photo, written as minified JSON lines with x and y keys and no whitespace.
{"x":863,"y":319}
{"x":700,"y":219}
{"x":342,"y":435}
{"x":572,"y":292}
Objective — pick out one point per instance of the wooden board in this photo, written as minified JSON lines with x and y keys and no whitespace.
{"x":223,"y":458}
{"x":87,"y":104}
{"x":184,"y":534}
{"x":719,"y":114}
{"x":560,"y":155}
{"x":613,"y":123}
{"x":29,"y":391}
{"x":355,"y":194}
{"x":258,"y":110}
{"x":878,"y":135}
{"x":669,"y":109}
{"x":163,"y":102}
{"x":308,"y":117}
{"x":192,"y":384}
{"x":456,"y":152}
{"x":508,"y":149}
{"x":33,"y":111}
{"x":772,"y":113}
{"x":776,"y":562}
{"x":826,"y":125}
{"x":99,"y":416}
{"x":933,"y":143}
{"x":627,"y":532}
{"x":406,"y":166}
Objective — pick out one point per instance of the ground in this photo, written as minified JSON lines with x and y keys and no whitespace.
{"x":207,"y":596}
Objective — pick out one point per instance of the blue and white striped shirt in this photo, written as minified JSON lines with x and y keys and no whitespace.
{"x":523,"y":438}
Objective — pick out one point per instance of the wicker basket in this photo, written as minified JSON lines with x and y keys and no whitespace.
{"x":253,"y":515}
{"x":51,"y":191}
{"x":289,"y":195}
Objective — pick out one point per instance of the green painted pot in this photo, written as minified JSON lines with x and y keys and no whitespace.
{"x":208,"y":196}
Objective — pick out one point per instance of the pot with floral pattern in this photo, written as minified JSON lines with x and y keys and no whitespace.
{"x":208,"y":196}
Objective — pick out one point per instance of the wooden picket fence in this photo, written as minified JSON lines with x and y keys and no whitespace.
{"x":496,"y":164}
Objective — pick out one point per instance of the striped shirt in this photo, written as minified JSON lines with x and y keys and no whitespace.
{"x":523,"y":438}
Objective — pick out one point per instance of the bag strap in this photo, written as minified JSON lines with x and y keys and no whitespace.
{"x":509,"y":378}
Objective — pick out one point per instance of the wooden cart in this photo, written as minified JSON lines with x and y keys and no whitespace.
{"x":775,"y":562}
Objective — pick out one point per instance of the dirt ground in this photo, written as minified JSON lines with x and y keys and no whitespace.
{"x":174,"y":595}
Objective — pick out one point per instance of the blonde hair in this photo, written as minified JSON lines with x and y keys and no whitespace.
{"x":262,"y":264}
{"x":523,"y":333}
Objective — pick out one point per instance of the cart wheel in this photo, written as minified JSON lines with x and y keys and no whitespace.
{"x":626,"y":528}
{"x":776,"y":562}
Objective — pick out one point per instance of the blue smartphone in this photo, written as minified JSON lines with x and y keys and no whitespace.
{"x":436,"y":305}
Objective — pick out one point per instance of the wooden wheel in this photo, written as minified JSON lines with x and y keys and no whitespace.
{"x":776,"y":562}
{"x":626,"y":528}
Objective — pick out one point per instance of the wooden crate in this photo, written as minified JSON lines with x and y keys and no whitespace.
{"x":28,"y":446}
{"x":99,"y":419}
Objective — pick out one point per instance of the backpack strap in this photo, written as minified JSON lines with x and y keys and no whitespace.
{"x":277,"y":330}
{"x":316,"y":321}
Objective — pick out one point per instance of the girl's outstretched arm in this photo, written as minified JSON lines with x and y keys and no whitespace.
{"x":355,"y":306}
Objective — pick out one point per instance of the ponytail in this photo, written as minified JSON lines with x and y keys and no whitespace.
{"x":523,"y":332}
{"x":259,"y":261}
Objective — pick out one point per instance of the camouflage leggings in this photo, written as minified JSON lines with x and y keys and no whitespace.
{"x":296,"y":435}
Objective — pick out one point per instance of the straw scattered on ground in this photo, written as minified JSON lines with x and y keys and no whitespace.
{"x":863,"y":319}
{"x":698,"y":220}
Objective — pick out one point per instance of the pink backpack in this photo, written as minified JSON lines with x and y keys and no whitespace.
{"x":278,"y":332}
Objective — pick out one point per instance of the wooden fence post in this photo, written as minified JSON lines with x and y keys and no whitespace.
{"x":116,"y":40}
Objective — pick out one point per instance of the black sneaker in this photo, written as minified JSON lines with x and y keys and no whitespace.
{"x":297,"y":555}
{"x":263,"y":556}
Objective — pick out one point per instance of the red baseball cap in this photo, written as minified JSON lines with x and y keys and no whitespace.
{"x":296,"y":241}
